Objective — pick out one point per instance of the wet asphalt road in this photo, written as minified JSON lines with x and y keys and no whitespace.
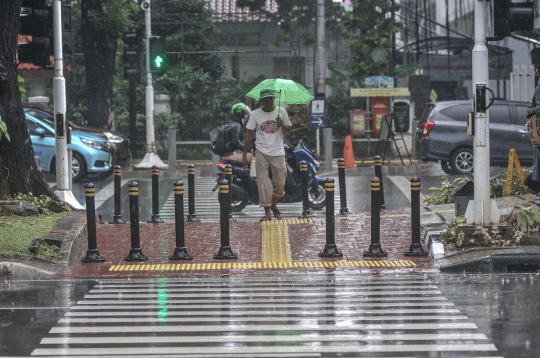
{"x":328,"y":316}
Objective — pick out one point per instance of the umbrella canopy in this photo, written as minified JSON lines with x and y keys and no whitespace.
{"x":286,"y":91}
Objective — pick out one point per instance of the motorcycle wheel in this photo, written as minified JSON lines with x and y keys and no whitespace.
{"x":238,"y":203}
{"x":316,"y":197}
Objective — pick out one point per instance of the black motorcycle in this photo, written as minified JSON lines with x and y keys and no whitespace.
{"x":245,"y":191}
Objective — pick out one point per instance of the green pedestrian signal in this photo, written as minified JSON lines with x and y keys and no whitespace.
{"x":158,"y":54}
{"x":158,"y":61}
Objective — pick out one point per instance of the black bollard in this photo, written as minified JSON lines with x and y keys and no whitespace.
{"x":155,"y":197}
{"x":306,"y":213}
{"x":117,"y":218}
{"x":378,"y":174}
{"x":92,"y":255}
{"x":330,"y":249}
{"x":180,"y":252}
{"x":375,"y":249}
{"x":416,"y":247}
{"x":135,"y":254}
{"x":191,"y":195}
{"x":344,"y":210}
{"x":225,"y":251}
{"x":228,"y":177}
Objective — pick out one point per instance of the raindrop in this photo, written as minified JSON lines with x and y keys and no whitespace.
{"x":507,"y":280}
{"x":119,"y":295}
{"x":528,"y":345}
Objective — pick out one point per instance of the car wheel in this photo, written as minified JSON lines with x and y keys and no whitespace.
{"x":462,"y":161}
{"x":78,"y":167}
{"x":445,"y":165}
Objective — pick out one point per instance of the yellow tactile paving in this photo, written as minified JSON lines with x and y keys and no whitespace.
{"x":261,"y":265}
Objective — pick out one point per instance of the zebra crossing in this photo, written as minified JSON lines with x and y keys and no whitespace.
{"x":280,"y":316}
{"x":207,"y":205}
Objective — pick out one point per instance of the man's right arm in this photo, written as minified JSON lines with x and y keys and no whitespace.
{"x":247,"y":145}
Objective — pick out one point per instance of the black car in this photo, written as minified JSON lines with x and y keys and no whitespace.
{"x":441,"y":134}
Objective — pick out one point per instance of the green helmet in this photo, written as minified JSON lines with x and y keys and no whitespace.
{"x":240,"y":109}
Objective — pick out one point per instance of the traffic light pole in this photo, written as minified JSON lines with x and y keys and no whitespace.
{"x":61,"y":131}
{"x":151,"y":158}
{"x":485,"y":210}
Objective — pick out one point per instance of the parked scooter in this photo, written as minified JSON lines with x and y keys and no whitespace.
{"x":244,"y":190}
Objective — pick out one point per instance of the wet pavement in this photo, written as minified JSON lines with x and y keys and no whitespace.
{"x":309,"y":315}
{"x":305,"y":240}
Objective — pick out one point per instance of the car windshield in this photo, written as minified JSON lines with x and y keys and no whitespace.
{"x":42,"y":115}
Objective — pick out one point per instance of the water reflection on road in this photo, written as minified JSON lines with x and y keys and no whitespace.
{"x":504,"y":307}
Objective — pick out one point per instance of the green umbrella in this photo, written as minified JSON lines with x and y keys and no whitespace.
{"x":286,"y":91}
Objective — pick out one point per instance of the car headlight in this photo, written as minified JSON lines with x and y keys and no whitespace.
{"x":113,"y":137}
{"x":95,"y":144}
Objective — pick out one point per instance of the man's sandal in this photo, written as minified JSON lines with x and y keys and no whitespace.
{"x":276,"y":212}
{"x":265,"y":218}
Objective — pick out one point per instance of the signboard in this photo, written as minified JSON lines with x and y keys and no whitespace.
{"x":358,"y":122}
{"x":317,"y":109}
{"x":380,"y":92}
{"x":379,"y":82}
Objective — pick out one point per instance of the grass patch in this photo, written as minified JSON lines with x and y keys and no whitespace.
{"x":17,"y":232}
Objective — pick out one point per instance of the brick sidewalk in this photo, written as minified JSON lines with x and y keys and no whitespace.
{"x":304,"y":240}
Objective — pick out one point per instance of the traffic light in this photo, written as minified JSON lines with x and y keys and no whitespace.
{"x":132,"y":41}
{"x":158,"y":54}
{"x":37,"y":21}
{"x":511,"y":17}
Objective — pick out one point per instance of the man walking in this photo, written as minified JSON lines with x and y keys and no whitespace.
{"x":270,"y":122}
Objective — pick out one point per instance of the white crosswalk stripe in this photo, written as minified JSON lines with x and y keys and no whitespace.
{"x":207,"y":205}
{"x":248,"y":316}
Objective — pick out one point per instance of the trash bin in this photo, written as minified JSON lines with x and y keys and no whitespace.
{"x":462,"y":196}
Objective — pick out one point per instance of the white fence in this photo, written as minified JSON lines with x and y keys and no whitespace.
{"x":522,"y":83}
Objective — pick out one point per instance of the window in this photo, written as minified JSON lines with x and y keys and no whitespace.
{"x":500,"y":114}
{"x":458,"y":113}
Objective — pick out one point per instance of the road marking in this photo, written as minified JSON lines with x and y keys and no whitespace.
{"x":261,"y":265}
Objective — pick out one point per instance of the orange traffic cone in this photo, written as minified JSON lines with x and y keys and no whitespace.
{"x":348,"y":154}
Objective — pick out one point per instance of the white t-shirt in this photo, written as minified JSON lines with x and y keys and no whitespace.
{"x":269,"y":136}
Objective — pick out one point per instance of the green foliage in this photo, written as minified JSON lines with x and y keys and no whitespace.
{"x":453,"y":237}
{"x":445,"y":193}
{"x":402,"y":71}
{"x":41,"y":201}
{"x":368,"y":30}
{"x":163,"y":122}
{"x":115,"y":15}
{"x":3,"y":130}
{"x":525,"y":217}
{"x":449,"y":234}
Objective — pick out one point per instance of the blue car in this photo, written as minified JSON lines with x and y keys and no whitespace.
{"x":90,"y":152}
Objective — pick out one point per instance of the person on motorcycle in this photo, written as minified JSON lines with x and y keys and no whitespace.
{"x":235,"y":136}
{"x":271,"y":123}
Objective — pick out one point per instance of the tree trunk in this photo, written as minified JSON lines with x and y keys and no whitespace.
{"x":99,"y":57}
{"x":18,"y":170}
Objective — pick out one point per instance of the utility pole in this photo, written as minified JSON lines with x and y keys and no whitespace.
{"x":60,"y":124}
{"x":151,"y":158}
{"x":485,"y":210}
{"x":320,"y":60}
